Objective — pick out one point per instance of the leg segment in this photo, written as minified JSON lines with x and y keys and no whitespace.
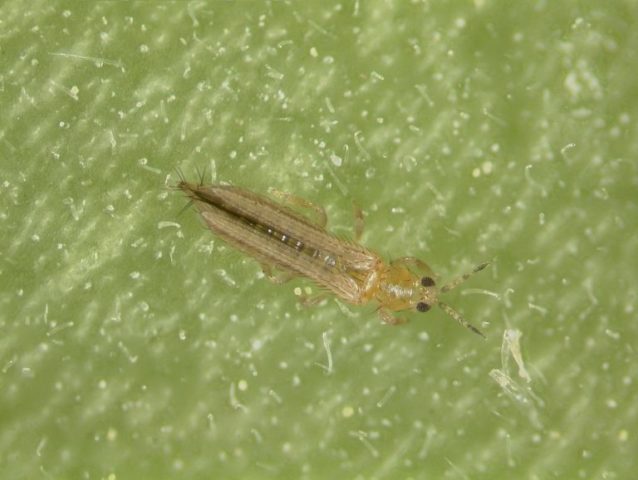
{"x":312,"y":300}
{"x":390,"y":319}
{"x":320,"y":213}
{"x":276,"y":277}
{"x":414,"y":263}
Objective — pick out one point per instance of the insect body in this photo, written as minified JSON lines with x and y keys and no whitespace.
{"x":277,"y":236}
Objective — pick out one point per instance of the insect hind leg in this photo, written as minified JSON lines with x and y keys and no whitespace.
{"x":321,"y":218}
{"x":276,"y":277}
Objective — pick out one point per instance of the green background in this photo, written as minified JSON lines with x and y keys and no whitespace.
{"x":133,"y":344}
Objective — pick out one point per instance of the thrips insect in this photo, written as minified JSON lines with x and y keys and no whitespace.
{"x":281,"y":238}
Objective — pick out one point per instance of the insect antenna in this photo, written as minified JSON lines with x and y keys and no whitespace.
{"x":459,"y":318}
{"x":457,"y":281}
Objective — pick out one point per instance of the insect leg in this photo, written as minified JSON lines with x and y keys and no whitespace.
{"x":413,"y":262}
{"x":390,"y":319}
{"x":276,"y":278}
{"x":294,"y":200}
{"x":312,"y":300}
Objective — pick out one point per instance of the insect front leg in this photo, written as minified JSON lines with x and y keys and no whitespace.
{"x":414,"y":263}
{"x":390,"y":319}
{"x":294,"y":200}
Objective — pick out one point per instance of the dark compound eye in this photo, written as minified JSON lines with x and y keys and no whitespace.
{"x":427,"y":282}
{"x":422,"y":307}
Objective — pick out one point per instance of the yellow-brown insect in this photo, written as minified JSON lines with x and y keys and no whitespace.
{"x":279,"y":237}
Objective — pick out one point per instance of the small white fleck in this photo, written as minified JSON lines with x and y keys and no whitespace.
{"x":336,"y":160}
{"x":487,"y":167}
{"x":313,"y":52}
{"x":242,"y":385}
{"x":571,"y":84}
{"x":347,"y":411}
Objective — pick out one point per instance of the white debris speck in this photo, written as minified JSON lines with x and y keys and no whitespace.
{"x":347,"y":411}
{"x":487,"y":167}
{"x":423,"y":336}
{"x":571,"y":84}
{"x":336,"y":160}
